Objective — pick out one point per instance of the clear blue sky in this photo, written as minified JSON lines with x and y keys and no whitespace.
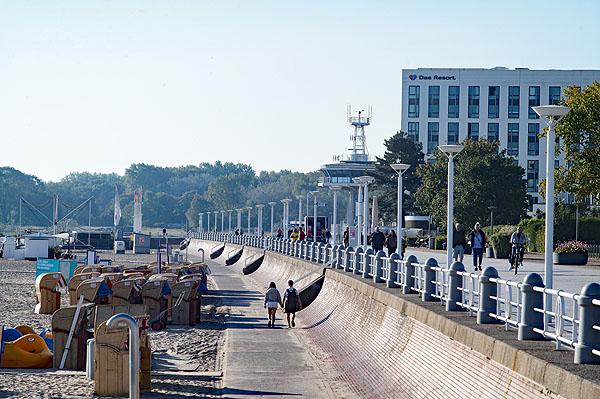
{"x":98,"y":85}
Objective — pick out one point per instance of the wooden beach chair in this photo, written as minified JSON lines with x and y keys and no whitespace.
{"x":47,"y":292}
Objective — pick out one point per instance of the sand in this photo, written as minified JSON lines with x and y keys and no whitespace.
{"x":185,"y":360}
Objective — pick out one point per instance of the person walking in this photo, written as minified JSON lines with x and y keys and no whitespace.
{"x":294,"y":235}
{"x":301,"y":235}
{"x":391,"y":242}
{"x":377,"y":240}
{"x":279,"y":233}
{"x":459,"y":242}
{"x":477,"y":240}
{"x":327,"y":236}
{"x":272,"y":300}
{"x":346,"y":237}
{"x":292,"y":303}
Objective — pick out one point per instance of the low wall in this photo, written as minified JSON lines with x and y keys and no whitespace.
{"x":385,"y":345}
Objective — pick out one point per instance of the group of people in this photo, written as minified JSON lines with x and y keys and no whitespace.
{"x":478,"y":241}
{"x":291,"y":303}
{"x":378,"y":240}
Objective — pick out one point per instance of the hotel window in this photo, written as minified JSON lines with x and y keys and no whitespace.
{"x":533,"y":169}
{"x":413,"y":131}
{"x":534,"y":101}
{"x":453,"y":101}
{"x":473,"y":101}
{"x":494,"y":102}
{"x":473,"y":131}
{"x":413,"y":101}
{"x":452,"y":133}
{"x":434,"y":102}
{"x":433,"y":136}
{"x":533,"y":141}
{"x":513,"y":101}
{"x":493,"y":132}
{"x":513,"y":139}
{"x":553,"y":95}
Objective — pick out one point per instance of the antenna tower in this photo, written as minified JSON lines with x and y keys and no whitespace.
{"x":358,"y":139}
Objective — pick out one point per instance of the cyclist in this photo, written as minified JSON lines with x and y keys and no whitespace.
{"x":518,"y":241}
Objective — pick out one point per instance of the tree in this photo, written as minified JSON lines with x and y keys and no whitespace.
{"x":579,"y":133}
{"x":399,"y":149}
{"x":483,"y":177}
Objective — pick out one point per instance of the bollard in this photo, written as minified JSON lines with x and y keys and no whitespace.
{"x":394,"y":259}
{"x":366,"y":261}
{"x":378,"y":272}
{"x":455,"y":283}
{"x":531,"y":319}
{"x":308,"y":250}
{"x":429,"y":286}
{"x":409,"y":280}
{"x":355,"y":266}
{"x":326,"y":254}
{"x":487,"y":289}
{"x":589,"y":315}
{"x":335,"y":264}
{"x":317,"y":254}
{"x":134,"y":351}
{"x":347,"y":253}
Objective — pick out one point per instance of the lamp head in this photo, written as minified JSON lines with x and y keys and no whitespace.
{"x":286,"y":200}
{"x":551,"y":113}
{"x":400,"y":167}
{"x":335,"y":188}
{"x":315,"y":193}
{"x":451,"y":150}
{"x":300,"y":197}
{"x":260,"y":206}
{"x":272,"y":203}
{"x":366,"y":179}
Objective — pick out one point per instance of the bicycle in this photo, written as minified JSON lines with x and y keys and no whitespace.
{"x":515,"y":257}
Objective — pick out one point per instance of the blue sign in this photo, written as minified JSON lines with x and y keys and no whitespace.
{"x":65,"y":267}
{"x":321,"y":203}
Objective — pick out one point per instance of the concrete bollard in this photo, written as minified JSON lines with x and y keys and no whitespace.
{"x":327,"y":254}
{"x":455,"y":283}
{"x":318,"y":253}
{"x":589,"y":315}
{"x":531,"y":319}
{"x":391,"y":282}
{"x":308,"y":251}
{"x":347,"y":254}
{"x":409,"y":281}
{"x":366,"y":263}
{"x":378,"y":272}
{"x":487,"y":289}
{"x":339,"y":263}
{"x":356,"y":264}
{"x":429,"y":286}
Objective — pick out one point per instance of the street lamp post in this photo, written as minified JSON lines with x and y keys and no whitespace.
{"x":451,"y":151}
{"x":491,"y":208}
{"x":551,"y":114}
{"x":272,"y":205}
{"x":286,"y":216}
{"x":200,"y":215}
{"x":239,"y":219}
{"x":249,"y":208}
{"x":365,"y":180}
{"x":231,"y":210}
{"x":335,"y":190}
{"x":314,"y":194}
{"x":399,"y":168}
{"x":208,"y":221}
{"x":359,"y":210}
{"x":222,"y":221}
{"x":260,"y":208}
{"x":300,"y":198}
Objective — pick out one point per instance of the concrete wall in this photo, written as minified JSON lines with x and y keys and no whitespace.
{"x":381,"y":345}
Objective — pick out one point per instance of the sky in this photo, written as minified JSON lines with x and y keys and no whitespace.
{"x":96,"y":86}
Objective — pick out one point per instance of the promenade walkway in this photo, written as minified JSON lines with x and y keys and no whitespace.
{"x":261,"y":361}
{"x":569,"y":278}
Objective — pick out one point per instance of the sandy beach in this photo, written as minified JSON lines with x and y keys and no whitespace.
{"x":185,"y":360}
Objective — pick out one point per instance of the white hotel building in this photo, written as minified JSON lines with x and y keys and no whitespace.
{"x":446,"y":106}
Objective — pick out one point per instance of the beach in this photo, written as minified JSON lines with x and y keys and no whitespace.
{"x":185,"y":360}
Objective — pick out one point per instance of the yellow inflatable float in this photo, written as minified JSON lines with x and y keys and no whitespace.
{"x":27,"y":352}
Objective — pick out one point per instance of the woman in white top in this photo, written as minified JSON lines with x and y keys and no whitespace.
{"x":272,"y":300}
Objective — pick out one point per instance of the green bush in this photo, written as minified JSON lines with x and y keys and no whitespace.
{"x":411,"y":241}
{"x":439,"y":242}
{"x":535,"y":230}
{"x":501,"y":242}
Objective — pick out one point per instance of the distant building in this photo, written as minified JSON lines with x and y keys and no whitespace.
{"x":446,"y":106}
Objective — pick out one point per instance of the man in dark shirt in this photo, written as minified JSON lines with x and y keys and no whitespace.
{"x":459,"y":242}
{"x":377,"y":240}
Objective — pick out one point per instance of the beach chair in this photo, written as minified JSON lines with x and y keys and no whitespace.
{"x":94,"y":290}
{"x":152,"y":295}
{"x":62,"y":320}
{"x":47,"y":292}
{"x":74,"y":283}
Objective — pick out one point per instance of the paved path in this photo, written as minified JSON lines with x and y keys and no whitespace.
{"x":566,"y":277}
{"x":261,"y":361}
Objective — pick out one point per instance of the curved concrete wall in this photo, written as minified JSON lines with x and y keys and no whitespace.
{"x":383,"y":346}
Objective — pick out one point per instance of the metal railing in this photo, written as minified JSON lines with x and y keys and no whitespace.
{"x":571,"y":319}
